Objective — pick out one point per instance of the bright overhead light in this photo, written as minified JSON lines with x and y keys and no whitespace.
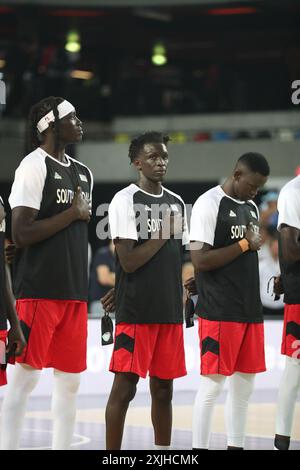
{"x":159,"y":59}
{"x":159,"y":54}
{"x":73,"y":42}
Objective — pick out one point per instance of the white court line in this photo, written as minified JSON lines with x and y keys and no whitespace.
{"x":84,"y":440}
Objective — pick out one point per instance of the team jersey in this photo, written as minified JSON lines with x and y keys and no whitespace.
{"x":55,"y":268}
{"x":153,"y":293}
{"x":289,"y":214}
{"x":3,"y":323}
{"x":230,"y":293}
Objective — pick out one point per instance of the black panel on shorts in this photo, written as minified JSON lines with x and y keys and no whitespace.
{"x":124,"y":341}
{"x":293,"y":328}
{"x":210,"y":345}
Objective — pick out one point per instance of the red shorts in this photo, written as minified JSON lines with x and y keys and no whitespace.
{"x":290,"y":345}
{"x":56,"y":333}
{"x":228,"y":347}
{"x":3,"y":336}
{"x":154,"y":348}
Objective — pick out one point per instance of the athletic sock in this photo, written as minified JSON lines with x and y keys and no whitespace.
{"x":287,"y":396}
{"x":64,"y":408}
{"x":236,"y":409}
{"x":209,"y":389}
{"x":19,"y":387}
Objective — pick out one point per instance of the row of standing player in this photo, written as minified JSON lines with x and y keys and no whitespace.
{"x":51,"y":287}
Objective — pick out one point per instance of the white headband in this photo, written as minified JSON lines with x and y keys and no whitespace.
{"x":63,"y":109}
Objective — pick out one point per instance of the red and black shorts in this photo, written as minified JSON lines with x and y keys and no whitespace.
{"x":154,"y":348}
{"x":3,"y":337}
{"x":290,"y":345}
{"x":228,"y":347}
{"x":56,"y":333}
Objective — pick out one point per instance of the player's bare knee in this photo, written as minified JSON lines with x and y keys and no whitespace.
{"x":161,"y":390}
{"x":124,"y":387}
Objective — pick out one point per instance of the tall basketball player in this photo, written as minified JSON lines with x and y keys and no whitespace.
{"x":50,"y":201}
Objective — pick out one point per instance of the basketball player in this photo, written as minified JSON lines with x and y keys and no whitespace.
{"x":12,"y":342}
{"x":148,"y":292}
{"x":50,"y":200}
{"x":289,"y":256}
{"x":224,"y":242}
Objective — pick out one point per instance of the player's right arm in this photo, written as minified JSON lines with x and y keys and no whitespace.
{"x":206,"y":258}
{"x":27,"y":229}
{"x":124,"y":233}
{"x":203,"y":224}
{"x":134,"y":257}
{"x":25,"y":200}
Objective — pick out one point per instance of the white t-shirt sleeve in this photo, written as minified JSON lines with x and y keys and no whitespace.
{"x":289,"y":208}
{"x":185,"y":234}
{"x":204,"y":220}
{"x":122,"y":218}
{"x":28,"y":185}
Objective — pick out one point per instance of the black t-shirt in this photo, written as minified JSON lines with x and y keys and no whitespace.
{"x":55,"y":268}
{"x":3,"y":322}
{"x":105,"y":257}
{"x":153,"y":293}
{"x":230,"y":293}
{"x":289,"y":214}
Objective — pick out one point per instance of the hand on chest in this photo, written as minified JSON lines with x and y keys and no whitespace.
{"x":235,"y":219}
{"x":61,"y":184}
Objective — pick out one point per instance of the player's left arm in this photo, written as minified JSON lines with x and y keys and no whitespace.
{"x":109,"y":301}
{"x":290,"y":242}
{"x":16,"y":340}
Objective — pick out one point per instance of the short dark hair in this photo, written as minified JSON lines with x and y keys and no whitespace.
{"x":147,"y":138}
{"x":256,"y":163}
{"x":36,"y":113}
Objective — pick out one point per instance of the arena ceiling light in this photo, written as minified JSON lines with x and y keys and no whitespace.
{"x":73,"y":44}
{"x":159,"y":54}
